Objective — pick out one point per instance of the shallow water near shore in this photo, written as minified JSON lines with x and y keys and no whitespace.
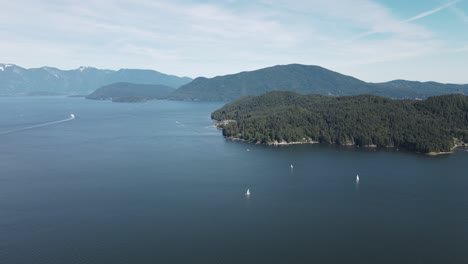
{"x":156,"y":183}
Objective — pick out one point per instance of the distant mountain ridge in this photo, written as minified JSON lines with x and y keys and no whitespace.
{"x":130,"y":92}
{"x":15,"y":80}
{"x":304,"y":79}
{"x":422,"y":90}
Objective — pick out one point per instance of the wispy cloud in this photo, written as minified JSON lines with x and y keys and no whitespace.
{"x":432,"y":11}
{"x":398,"y":24}
{"x":210,"y":38}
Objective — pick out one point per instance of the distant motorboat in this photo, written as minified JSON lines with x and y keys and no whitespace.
{"x":72,"y":116}
{"x":357,"y":178}
{"x":247,"y":193}
{"x":292,"y":167}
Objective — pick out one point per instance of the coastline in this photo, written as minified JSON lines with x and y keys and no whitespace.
{"x":275,"y":143}
{"x":220,"y":124}
{"x":457,"y":145}
{"x":284,"y":143}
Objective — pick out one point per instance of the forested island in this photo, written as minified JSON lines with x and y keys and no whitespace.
{"x":435,"y":125}
{"x":130,"y":92}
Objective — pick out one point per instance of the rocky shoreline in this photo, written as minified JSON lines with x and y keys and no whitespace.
{"x":275,"y":143}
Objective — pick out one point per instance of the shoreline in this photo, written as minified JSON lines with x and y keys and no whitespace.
{"x":275,"y":143}
{"x":220,"y":124}
{"x":285,"y":144}
{"x":461,"y":145}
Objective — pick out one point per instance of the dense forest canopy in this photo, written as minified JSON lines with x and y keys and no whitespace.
{"x":432,"y":125}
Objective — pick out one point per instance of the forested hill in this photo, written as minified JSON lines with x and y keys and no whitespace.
{"x":131,"y":92}
{"x":432,"y":125}
{"x":304,"y":79}
{"x":294,"y":77}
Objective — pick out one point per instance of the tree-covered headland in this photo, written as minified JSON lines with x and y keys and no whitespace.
{"x":435,"y":125}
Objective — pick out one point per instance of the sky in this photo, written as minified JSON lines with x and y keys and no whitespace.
{"x":373,"y":40}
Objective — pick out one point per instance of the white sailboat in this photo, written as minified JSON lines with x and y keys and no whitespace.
{"x":247,"y":193}
{"x":357,"y":178}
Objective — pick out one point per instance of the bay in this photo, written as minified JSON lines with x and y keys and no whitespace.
{"x":156,"y":183}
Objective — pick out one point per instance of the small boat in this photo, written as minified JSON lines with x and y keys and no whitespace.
{"x":357,"y":178}
{"x":292,"y":167}
{"x":72,"y":116}
{"x":247,"y":193}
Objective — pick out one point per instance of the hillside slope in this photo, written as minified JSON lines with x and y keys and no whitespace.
{"x":130,"y":92}
{"x":304,"y":79}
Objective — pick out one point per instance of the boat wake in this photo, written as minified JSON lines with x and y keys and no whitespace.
{"x":72,"y":116}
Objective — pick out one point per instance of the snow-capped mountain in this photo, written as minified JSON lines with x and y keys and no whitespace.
{"x":15,"y":80}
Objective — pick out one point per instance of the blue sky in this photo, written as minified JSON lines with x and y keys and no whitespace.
{"x":374,"y":40}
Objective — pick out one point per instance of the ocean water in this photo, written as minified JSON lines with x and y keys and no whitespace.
{"x":155,"y":183}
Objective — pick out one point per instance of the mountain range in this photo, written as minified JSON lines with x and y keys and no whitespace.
{"x":304,"y":79}
{"x":15,"y":80}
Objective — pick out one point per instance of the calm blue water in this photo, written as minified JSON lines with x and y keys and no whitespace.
{"x":153,"y":183}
